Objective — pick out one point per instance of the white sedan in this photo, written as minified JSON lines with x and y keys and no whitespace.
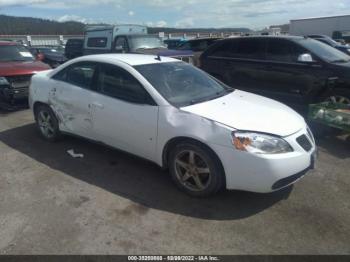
{"x":208,"y":135}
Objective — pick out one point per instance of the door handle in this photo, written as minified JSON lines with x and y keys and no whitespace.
{"x":98,"y":105}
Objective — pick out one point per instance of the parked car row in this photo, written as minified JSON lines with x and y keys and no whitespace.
{"x":201,"y":124}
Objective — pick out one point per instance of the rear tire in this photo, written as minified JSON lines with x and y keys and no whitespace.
{"x":196,"y":170}
{"x":47,"y":123}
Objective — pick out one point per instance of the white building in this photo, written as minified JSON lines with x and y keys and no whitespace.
{"x":320,"y":25}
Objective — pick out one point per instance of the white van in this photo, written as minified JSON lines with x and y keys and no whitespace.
{"x":100,"y":39}
{"x":129,"y":39}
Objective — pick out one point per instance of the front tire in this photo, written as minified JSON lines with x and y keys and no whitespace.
{"x":196,"y":170}
{"x":47,"y":123}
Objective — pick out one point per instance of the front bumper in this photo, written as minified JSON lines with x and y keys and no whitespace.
{"x":267,"y":173}
{"x":9,"y":94}
{"x":17,"y":89}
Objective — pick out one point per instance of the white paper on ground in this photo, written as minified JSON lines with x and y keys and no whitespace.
{"x":74,"y":155}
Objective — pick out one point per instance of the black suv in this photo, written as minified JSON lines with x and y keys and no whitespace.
{"x":293,"y":70}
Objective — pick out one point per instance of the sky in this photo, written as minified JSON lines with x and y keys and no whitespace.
{"x":254,"y":14}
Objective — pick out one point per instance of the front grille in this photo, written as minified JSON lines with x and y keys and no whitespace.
{"x":18,"y":83}
{"x":19,"y":79}
{"x":304,"y":142}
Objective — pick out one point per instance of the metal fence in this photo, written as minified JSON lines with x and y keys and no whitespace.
{"x":38,"y":40}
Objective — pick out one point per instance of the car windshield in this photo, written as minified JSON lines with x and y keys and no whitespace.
{"x":147,"y":42}
{"x":325,"y":51}
{"x":182,"y":84}
{"x":10,"y":53}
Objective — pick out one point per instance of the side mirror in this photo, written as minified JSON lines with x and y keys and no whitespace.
{"x":119,"y":49}
{"x":306,"y":58}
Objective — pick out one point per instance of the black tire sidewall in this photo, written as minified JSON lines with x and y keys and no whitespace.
{"x":57,"y":133}
{"x":217,"y":174}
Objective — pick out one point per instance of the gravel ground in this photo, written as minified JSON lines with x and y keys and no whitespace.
{"x":112,"y":203}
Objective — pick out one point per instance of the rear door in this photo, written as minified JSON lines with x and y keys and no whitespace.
{"x":239,"y":63}
{"x":70,"y":97}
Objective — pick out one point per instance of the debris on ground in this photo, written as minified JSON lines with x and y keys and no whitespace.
{"x":74,"y":155}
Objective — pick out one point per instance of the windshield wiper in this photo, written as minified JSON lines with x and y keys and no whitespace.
{"x":217,"y":95}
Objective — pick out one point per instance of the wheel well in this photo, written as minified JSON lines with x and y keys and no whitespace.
{"x":175,"y":141}
{"x":36,"y":105}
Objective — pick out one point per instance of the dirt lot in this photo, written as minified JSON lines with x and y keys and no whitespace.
{"x":112,"y":203}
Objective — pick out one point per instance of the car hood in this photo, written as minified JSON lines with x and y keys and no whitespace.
{"x":248,"y":112}
{"x":21,"y":68}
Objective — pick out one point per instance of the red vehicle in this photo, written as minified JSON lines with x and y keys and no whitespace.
{"x":17,"y":65}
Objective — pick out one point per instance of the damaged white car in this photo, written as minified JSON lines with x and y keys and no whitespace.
{"x":210,"y":136}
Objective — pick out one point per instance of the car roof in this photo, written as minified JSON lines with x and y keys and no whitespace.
{"x":7,"y":43}
{"x":130,"y":59}
{"x":205,"y":39}
{"x":289,"y":37}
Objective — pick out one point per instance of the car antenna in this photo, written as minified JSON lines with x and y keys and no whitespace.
{"x":158,"y":58}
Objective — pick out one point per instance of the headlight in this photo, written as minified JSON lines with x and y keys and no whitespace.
{"x":3,"y":81}
{"x":348,"y":50}
{"x":260,"y":143}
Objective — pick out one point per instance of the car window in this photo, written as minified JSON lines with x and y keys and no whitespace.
{"x":116,"y":82}
{"x":249,"y":48}
{"x":199,"y":45}
{"x":80,"y":74}
{"x":245,"y":48}
{"x":185,"y":46}
{"x":324,"y":51}
{"x":182,"y":84}
{"x":224,"y":50}
{"x":121,"y":41}
{"x":15,"y":53}
{"x":99,"y":42}
{"x":283,"y":51}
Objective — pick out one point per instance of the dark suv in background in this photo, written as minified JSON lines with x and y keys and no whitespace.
{"x":293,"y":70}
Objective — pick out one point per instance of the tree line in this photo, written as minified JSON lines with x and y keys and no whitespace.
{"x":10,"y":25}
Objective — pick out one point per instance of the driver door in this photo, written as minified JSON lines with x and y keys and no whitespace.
{"x":288,"y":80}
{"x":124,"y":115}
